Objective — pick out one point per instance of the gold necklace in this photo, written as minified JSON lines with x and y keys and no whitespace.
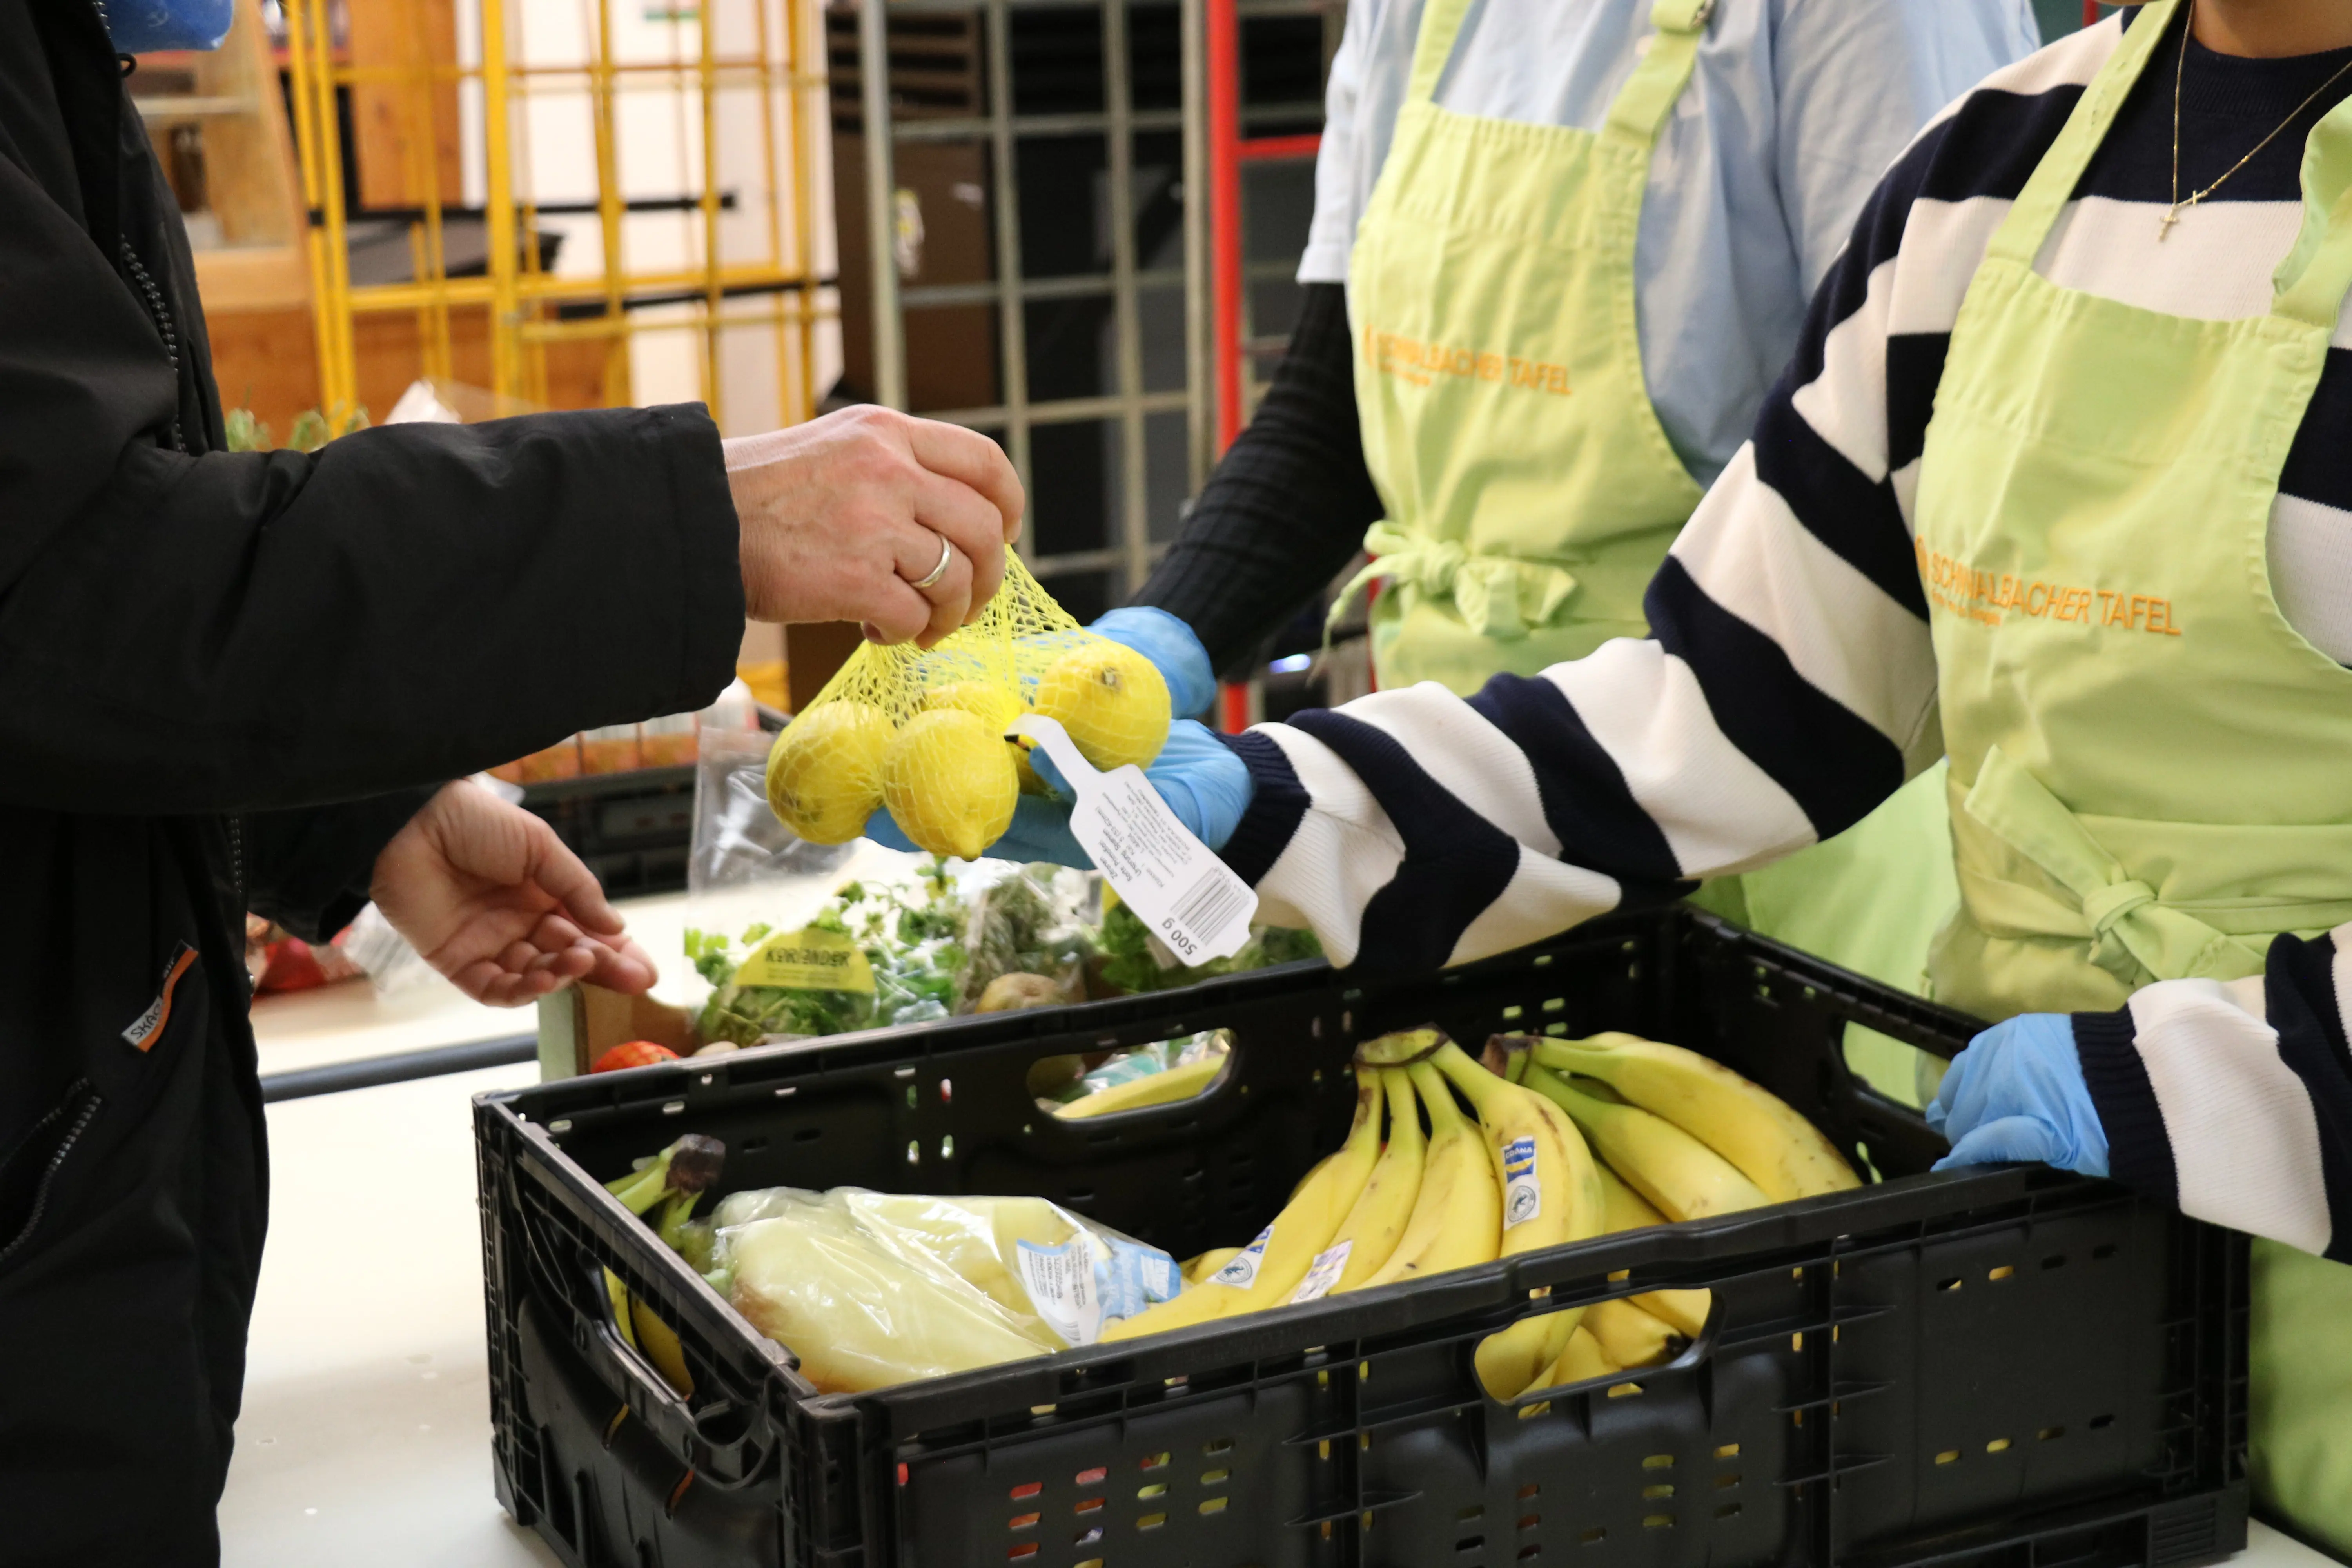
{"x":2180,"y":73}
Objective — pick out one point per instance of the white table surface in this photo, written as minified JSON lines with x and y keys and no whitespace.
{"x":365,"y":1440}
{"x":344,"y":1022}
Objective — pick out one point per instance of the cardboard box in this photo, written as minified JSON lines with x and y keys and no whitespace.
{"x":581,"y":1023}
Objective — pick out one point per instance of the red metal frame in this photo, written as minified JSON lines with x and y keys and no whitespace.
{"x":1227,"y":153}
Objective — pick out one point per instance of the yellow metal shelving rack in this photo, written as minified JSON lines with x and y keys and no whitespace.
{"x":777,"y":288}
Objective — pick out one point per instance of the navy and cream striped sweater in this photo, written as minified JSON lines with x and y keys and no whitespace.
{"x":1790,"y":686}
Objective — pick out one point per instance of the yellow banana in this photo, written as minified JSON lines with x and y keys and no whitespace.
{"x":1684,"y":1177}
{"x":1208,"y":1263}
{"x":623,"y":1319}
{"x":1622,"y":1207}
{"x":1179,"y":1082}
{"x":1271,"y":1266}
{"x":1552,"y":1195}
{"x":1782,"y":1153}
{"x":1458,"y":1217}
{"x":1631,"y":1337}
{"x":1550,"y":1182}
{"x":1625,"y":1209}
{"x":1583,"y":1359}
{"x":1511,"y":1361}
{"x":1400,"y":1047}
{"x":1377,"y":1223}
{"x":660,"y":1343}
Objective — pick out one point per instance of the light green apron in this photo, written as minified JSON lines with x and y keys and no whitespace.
{"x":2152,"y":772}
{"x":1530,"y":490}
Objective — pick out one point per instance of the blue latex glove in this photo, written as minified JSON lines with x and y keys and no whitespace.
{"x":1172,"y":649}
{"x":135,"y":27}
{"x":1040,"y":831}
{"x":2017,"y":1094}
{"x":1202,"y":781}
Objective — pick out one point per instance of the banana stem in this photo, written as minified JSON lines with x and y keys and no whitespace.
{"x":645,"y":1188}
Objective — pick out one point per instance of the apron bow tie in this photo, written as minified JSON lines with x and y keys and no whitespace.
{"x":2129,"y":928}
{"x":1497,"y":596}
{"x":2110,"y":904}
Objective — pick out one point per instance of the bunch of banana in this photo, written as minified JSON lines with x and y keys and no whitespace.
{"x":1270,"y":1271}
{"x":1563,"y":1139}
{"x":1683,"y":1137}
{"x":1544,"y":1178}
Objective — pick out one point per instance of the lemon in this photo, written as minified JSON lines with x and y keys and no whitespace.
{"x":824,"y":775}
{"x":949,"y":782}
{"x":992,"y":705}
{"x":1110,"y":699}
{"x":997,"y":708}
{"x":1027,"y":777}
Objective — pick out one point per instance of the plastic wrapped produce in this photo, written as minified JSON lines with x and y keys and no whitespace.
{"x":857,"y":1316}
{"x":871,"y":1289}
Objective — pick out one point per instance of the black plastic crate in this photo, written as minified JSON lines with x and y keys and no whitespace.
{"x":2011,"y":1367}
{"x":632,"y":829}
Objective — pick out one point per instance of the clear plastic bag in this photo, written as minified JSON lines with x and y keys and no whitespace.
{"x":799,"y":939}
{"x":872,"y":1288}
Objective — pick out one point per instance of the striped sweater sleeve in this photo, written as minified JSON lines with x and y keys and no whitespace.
{"x":2233,"y":1101}
{"x":1788,"y":683}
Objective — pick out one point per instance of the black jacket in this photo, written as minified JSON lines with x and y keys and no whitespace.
{"x":225,"y":679}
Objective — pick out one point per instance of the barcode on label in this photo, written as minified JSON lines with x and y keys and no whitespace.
{"x":1212,"y":901}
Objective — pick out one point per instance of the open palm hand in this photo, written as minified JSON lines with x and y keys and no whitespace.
{"x":491,"y":897}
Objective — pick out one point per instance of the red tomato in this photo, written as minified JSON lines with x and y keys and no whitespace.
{"x":635,"y":1054}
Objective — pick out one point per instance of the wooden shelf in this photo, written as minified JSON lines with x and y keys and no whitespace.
{"x":164,"y":109}
{"x":233,"y":278}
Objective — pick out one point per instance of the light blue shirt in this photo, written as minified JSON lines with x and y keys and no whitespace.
{"x":1796,"y":108}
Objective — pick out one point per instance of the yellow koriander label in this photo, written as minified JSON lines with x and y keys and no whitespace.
{"x":808,"y":960}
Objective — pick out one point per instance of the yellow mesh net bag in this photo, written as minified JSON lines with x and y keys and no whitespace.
{"x":924,"y":733}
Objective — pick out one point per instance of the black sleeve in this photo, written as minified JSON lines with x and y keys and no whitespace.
{"x":243,"y":632}
{"x":1288,"y":505}
{"x":309,"y":869}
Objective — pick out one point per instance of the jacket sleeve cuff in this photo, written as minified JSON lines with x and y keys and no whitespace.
{"x":2140,"y":1151}
{"x":707,"y":530}
{"x":1277,"y":805}
{"x":310,"y":868}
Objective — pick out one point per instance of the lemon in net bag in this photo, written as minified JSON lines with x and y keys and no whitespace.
{"x":924,"y":733}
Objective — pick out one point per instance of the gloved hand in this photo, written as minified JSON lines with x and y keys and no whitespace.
{"x":1174,"y":650}
{"x":1202,"y":781}
{"x":2016,"y":1093}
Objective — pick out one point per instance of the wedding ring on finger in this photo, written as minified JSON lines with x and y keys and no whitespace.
{"x":947,"y":554}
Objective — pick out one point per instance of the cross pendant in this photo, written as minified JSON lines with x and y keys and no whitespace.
{"x":2171,"y":216}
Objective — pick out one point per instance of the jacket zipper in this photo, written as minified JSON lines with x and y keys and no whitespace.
{"x":161,"y":315}
{"x":236,"y":876}
{"x":57,"y":1159}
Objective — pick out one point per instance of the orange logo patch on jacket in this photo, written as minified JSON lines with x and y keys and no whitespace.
{"x":148,"y":1027}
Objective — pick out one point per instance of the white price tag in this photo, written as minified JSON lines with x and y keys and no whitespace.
{"x":1241,"y":1271}
{"x":1183,"y":893}
{"x":1323,"y":1273}
{"x":1522,"y":1187}
{"x":1061,"y":1285}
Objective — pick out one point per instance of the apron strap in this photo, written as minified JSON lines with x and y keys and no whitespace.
{"x":2311,"y":281}
{"x":1432,"y":46}
{"x":2046,"y":195}
{"x":1643,"y":104}
{"x":2125,"y":919}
